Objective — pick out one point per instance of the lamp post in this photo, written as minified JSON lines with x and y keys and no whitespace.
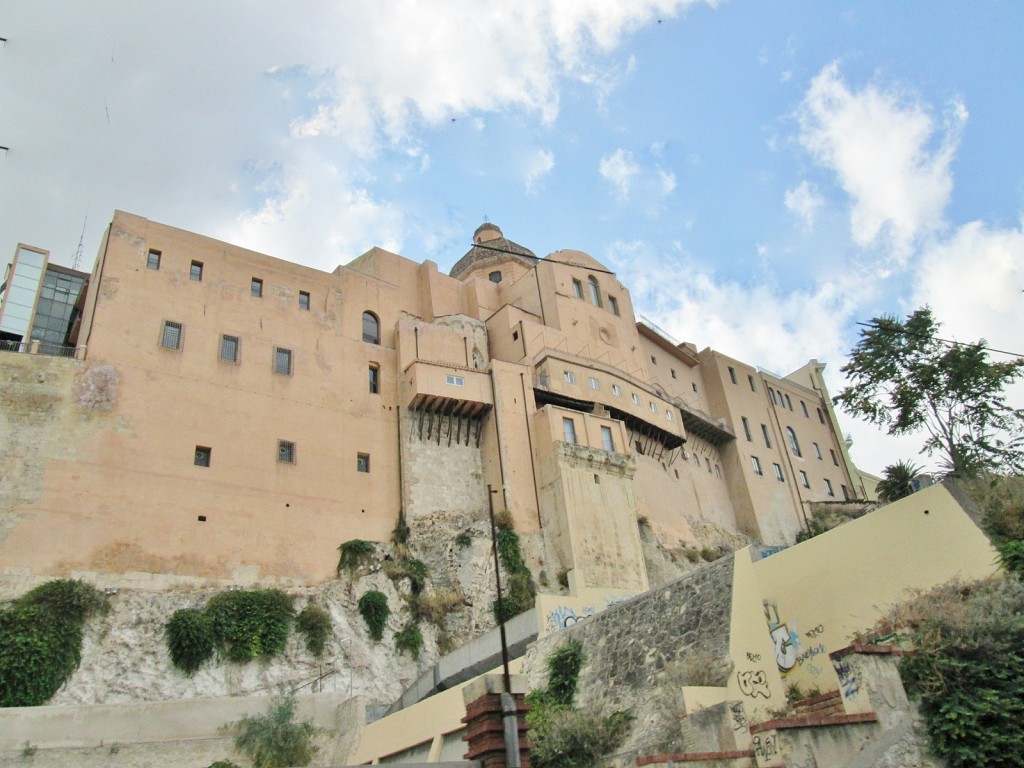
{"x":497,"y":580}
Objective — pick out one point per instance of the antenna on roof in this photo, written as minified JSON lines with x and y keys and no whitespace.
{"x":81,"y":240}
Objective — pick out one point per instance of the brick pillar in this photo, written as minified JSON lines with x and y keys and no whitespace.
{"x":485,"y":721}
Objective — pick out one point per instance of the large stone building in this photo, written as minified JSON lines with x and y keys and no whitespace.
{"x":234,"y":416}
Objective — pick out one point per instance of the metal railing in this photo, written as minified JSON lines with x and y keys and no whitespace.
{"x":42,"y":348}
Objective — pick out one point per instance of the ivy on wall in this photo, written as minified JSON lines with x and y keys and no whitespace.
{"x":41,"y":640}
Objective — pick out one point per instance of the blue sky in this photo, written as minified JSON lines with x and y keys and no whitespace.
{"x":762,"y":175}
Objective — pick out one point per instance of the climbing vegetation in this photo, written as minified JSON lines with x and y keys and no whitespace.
{"x":967,"y":670}
{"x":355,"y":553}
{"x":410,"y":639}
{"x":564,"y":737}
{"x":315,"y":624}
{"x":41,"y":640}
{"x":518,"y":588}
{"x":240,"y":625}
{"x":373,"y":607}
{"x":274,"y":739}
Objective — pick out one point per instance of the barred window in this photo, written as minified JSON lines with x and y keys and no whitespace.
{"x":304,"y":300}
{"x":171,"y":336}
{"x":153,"y":260}
{"x":286,"y":451}
{"x":283,"y":361}
{"x":202,"y":456}
{"x":229,"y":348}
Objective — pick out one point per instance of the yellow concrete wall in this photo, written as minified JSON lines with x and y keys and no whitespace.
{"x":826,"y":590}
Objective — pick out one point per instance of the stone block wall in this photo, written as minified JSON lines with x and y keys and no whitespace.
{"x":632,"y":650}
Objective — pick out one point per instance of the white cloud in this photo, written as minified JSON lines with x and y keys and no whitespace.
{"x":884,"y":148}
{"x":803,"y":200}
{"x":619,"y":169}
{"x":974,"y":282}
{"x":668,"y":181}
{"x":156,"y":129}
{"x":538,"y":166}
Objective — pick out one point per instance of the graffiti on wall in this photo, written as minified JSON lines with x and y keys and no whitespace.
{"x":848,"y":682}
{"x":785,"y":642}
{"x":766,"y":745}
{"x":739,"y":717}
{"x":753,"y":683}
{"x":564,"y":616}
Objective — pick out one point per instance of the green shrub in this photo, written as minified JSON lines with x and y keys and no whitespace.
{"x":967,"y":670}
{"x":708,"y":555}
{"x":355,"y":553}
{"x":415,"y":571}
{"x":38,"y":652}
{"x":562,"y":577}
{"x":564,"y":665}
{"x":72,"y":600}
{"x":273,"y":740}
{"x":434,"y":606}
{"x":41,"y":640}
{"x":373,"y":606}
{"x":518,"y":590}
{"x":248,"y":624}
{"x":410,"y":639}
{"x":571,"y":738}
{"x":190,"y":639}
{"x":563,"y":737}
{"x":400,"y":534}
{"x":463,"y":540}
{"x":223,"y":764}
{"x":315,"y":623}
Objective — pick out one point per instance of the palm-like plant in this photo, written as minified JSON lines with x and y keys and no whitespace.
{"x":898,"y":481}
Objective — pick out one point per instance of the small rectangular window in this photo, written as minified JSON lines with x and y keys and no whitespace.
{"x":616,"y":390}
{"x":202,"y":456}
{"x":821,"y":416}
{"x":746,"y":428}
{"x":569,"y":430}
{"x":804,"y":480}
{"x":195,"y":271}
{"x":304,"y":300}
{"x":613,"y":303}
{"x":495,"y":277}
{"x":636,"y":399}
{"x":607,"y":442}
{"x":673,"y":372}
{"x":256,"y":287}
{"x":668,"y":414}
{"x":286,"y":451}
{"x":803,"y":407}
{"x":846,"y":493}
{"x":653,"y":407}
{"x":789,"y":403}
{"x":654,"y":360}
{"x":153,"y":260}
{"x":229,"y":348}
{"x":577,"y":288}
{"x":707,"y":463}
{"x":515,"y":335}
{"x":753,"y":386}
{"x":283,"y":361}
{"x":778,"y":473}
{"x":835,"y":459}
{"x":828,"y":488}
{"x":732,"y":375}
{"x":374,"y":379}
{"x":767,"y":438}
{"x":170,"y":337}
{"x":817,"y":450}
{"x":756,"y":463}
{"x":362,"y":462}
{"x":771,"y":394}
{"x":718,"y":472}
{"x":455,"y":381}
{"x":570,"y":377}
{"x":593,"y":383}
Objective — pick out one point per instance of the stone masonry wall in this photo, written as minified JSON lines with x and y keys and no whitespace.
{"x":632,"y":650}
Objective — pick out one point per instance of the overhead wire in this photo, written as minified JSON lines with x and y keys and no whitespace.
{"x":951,"y":342}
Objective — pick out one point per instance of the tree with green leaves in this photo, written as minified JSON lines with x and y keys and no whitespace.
{"x":898,"y":481}
{"x":903,"y":377}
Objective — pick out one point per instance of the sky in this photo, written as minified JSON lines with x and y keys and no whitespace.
{"x":762,"y":176}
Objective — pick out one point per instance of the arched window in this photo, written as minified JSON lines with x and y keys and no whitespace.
{"x":793,"y":444}
{"x":371,"y":328}
{"x":595,"y":291}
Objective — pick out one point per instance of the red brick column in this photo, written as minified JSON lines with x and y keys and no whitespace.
{"x":485,"y":721}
